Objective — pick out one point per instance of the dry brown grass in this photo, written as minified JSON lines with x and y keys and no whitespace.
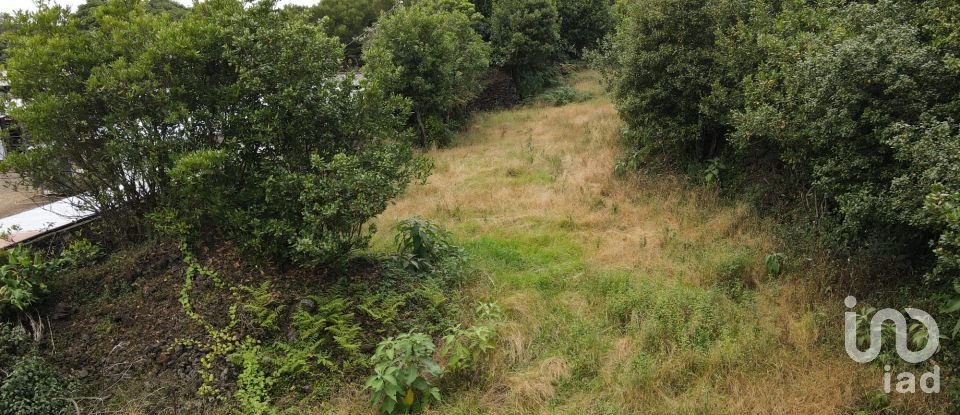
{"x":532,"y":193}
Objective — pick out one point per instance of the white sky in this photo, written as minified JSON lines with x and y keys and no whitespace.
{"x":11,"y":5}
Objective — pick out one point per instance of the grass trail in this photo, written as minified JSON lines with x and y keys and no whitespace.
{"x":624,"y":295}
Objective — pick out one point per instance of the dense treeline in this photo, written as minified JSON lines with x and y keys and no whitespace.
{"x":853,"y":102}
{"x":152,"y":109}
{"x":230,"y":119}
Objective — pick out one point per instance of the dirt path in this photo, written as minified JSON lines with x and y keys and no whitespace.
{"x":20,"y":200}
{"x":626,"y":294}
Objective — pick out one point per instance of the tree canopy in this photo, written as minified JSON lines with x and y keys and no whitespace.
{"x":348,"y":19}
{"x":428,"y":53}
{"x":232,"y":119}
{"x":853,"y":102}
{"x":526,"y":37}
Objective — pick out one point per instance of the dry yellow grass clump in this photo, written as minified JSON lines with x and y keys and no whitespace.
{"x":625,"y":294}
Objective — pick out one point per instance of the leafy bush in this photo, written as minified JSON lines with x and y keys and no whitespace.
{"x":422,"y":244}
{"x":853,"y":102}
{"x":348,"y":19}
{"x":23,"y":276}
{"x":80,"y":253}
{"x":232,"y":120}
{"x":116,"y":154}
{"x":13,"y":343}
{"x":845,"y":113}
{"x":429,"y":53}
{"x":32,"y":387}
{"x":583,"y":23}
{"x":526,"y":39}
{"x":315,"y":217}
{"x":665,"y":67}
{"x":463,"y":348}
{"x":774,"y":264}
{"x":562,"y":95}
{"x":403,"y":368}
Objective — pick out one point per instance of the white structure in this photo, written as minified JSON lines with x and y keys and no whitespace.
{"x":26,"y":225}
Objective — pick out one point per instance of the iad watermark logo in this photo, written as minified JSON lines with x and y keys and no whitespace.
{"x":929,"y":382}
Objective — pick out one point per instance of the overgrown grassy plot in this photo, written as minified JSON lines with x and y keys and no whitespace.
{"x":628,"y":295}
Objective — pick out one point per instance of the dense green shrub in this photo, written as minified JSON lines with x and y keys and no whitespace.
{"x":526,"y":40}
{"x":23,"y":278}
{"x":429,"y":53}
{"x":233,"y":119}
{"x":96,"y":103}
{"x":32,"y":387}
{"x":348,"y":19}
{"x":85,"y":11}
{"x":945,"y":206}
{"x":845,"y":120}
{"x":583,"y":23}
{"x":562,"y":95}
{"x":853,"y":102}
{"x":13,"y":343}
{"x":80,"y":253}
{"x":423,"y":245}
{"x":403,"y":371}
{"x":665,"y":66}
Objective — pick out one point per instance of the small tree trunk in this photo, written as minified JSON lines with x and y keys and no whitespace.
{"x":423,"y":131}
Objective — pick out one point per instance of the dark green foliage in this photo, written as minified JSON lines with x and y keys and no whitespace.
{"x":232,"y":120}
{"x":853,"y":102}
{"x":945,"y":206}
{"x":28,"y":385}
{"x":348,"y":19}
{"x":13,"y":343}
{"x":86,"y":12}
{"x":80,"y":253}
{"x":665,"y":64}
{"x":428,"y":53}
{"x":316,"y":217}
{"x":422,"y":244}
{"x":845,"y":118}
{"x":403,"y":371}
{"x":484,"y":7}
{"x":23,"y":278}
{"x":526,"y":39}
{"x":92,"y":100}
{"x":32,"y":387}
{"x":583,"y":23}
{"x":562,"y":95}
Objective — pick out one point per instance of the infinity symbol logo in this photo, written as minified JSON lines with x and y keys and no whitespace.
{"x":876,"y":326}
